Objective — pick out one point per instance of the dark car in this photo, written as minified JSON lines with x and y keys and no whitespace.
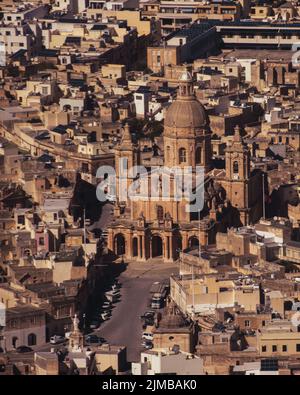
{"x":147,"y":344}
{"x":148,"y":314}
{"x":23,"y":349}
{"x":95,"y":324}
{"x":93,"y":339}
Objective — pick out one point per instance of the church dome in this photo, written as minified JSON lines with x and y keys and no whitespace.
{"x":186,"y":111}
{"x":186,"y":114}
{"x":172,"y":318}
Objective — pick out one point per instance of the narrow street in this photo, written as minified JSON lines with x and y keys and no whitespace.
{"x":125,"y":326}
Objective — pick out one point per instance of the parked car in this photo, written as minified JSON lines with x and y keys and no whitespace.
{"x":56,"y":339}
{"x":112,"y":296}
{"x":148,"y":322}
{"x":148,"y":314}
{"x":147,"y":344}
{"x":93,"y":339}
{"x":115,"y":287}
{"x":106,"y":315}
{"x":23,"y":349}
{"x":147,"y":336}
{"x":94,"y":324}
{"x":114,"y":292}
{"x":67,"y":335}
{"x":106,"y":305}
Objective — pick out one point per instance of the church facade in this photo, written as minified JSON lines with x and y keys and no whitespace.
{"x":147,"y":228}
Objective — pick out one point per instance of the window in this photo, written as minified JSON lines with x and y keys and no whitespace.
{"x":85,"y":167}
{"x":41,"y":241}
{"x":182,"y":155}
{"x":160,"y":213}
{"x":44,"y":90}
{"x":247,"y":323}
{"x":284,"y":348}
{"x":198,"y":155}
{"x":55,"y":216}
{"x":31,"y":339}
{"x":235,"y":167}
{"x":264,"y":349}
{"x":158,"y":59}
{"x":14,"y":323}
{"x":139,"y":97}
{"x":263,"y":323}
{"x":21,"y":219}
{"x":298,"y":347}
{"x":274,"y":348}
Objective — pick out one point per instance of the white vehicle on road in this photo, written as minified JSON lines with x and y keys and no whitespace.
{"x":106,"y":306}
{"x":106,"y":315}
{"x":147,"y":336}
{"x":57,"y":339}
{"x":112,"y":296}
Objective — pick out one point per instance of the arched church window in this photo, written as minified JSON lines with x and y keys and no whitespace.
{"x":198,"y":155}
{"x":182,"y":155}
{"x":235,"y":167}
{"x":160,"y":213}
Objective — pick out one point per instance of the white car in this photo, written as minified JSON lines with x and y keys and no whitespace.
{"x":113,"y":292}
{"x":105,"y":316}
{"x":106,"y":306}
{"x":57,"y":339}
{"x":115,"y":287}
{"x":147,"y":336}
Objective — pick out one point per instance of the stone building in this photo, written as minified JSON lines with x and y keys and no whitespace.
{"x":150,"y":227}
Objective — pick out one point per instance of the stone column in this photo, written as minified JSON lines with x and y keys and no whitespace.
{"x":129,"y":246}
{"x":185,"y":241}
{"x":110,"y":240}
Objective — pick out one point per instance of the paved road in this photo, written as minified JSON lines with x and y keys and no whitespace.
{"x":125,"y":327}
